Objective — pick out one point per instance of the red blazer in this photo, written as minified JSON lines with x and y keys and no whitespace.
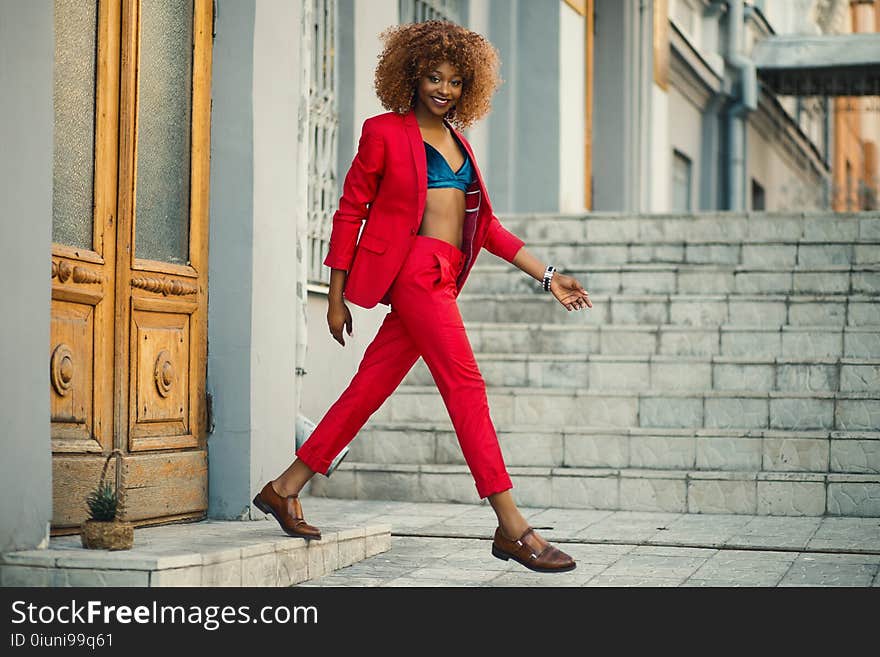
{"x":386,"y":187}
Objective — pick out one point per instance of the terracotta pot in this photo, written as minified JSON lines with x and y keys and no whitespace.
{"x":107,"y":535}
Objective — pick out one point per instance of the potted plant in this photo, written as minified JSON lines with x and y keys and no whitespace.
{"x":103,"y":530}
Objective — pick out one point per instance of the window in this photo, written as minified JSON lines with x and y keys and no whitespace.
{"x":849,"y":186}
{"x":684,"y":14}
{"x":681,"y":182}
{"x":323,"y":133}
{"x":759,"y":202}
{"x":416,"y":11}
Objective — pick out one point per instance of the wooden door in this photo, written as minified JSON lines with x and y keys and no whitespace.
{"x":128,"y":341}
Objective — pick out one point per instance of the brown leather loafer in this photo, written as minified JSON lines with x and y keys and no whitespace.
{"x":287,"y":511}
{"x":527,"y":550}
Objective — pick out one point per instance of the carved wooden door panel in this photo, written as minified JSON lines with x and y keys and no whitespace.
{"x":128,"y":348}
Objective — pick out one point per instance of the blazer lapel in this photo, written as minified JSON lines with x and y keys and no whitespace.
{"x":417,"y":146}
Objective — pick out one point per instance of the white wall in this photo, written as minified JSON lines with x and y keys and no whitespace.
{"x":370,"y":18}
{"x":661,"y":151}
{"x":685,"y":135}
{"x":273,"y":316}
{"x":572,"y":117}
{"x":785,"y":186}
{"x":478,"y":134}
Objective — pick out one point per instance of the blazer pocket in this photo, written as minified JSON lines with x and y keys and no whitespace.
{"x":373,"y":243}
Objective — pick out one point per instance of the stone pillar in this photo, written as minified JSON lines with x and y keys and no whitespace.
{"x":524,"y":129}
{"x":623,"y":78}
{"x":255,"y":202}
{"x":26,"y":133}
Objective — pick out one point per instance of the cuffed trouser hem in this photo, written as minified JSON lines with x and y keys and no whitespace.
{"x":499,"y":486}
{"x":315,"y":464}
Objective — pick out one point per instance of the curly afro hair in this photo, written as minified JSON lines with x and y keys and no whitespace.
{"x":413,"y":49}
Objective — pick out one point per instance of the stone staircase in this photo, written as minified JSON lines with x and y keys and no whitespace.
{"x":730,"y":364}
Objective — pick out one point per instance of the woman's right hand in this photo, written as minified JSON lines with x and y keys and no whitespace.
{"x":338,"y":315}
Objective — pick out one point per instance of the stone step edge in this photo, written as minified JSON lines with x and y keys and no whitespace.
{"x":670,"y":358}
{"x":623,"y":473}
{"x":651,"y":267}
{"x":700,"y":241}
{"x":296,"y":560}
{"x":662,"y":297}
{"x":574,"y":430}
{"x":651,"y":328}
{"x":695,"y":215}
{"x":411,"y":389}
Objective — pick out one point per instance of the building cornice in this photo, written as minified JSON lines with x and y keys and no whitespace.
{"x":785,"y":135}
{"x":689,"y":72}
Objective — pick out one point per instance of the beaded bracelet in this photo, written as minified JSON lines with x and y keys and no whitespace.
{"x":548,"y":276}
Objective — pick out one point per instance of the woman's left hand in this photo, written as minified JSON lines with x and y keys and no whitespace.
{"x":569,"y":292}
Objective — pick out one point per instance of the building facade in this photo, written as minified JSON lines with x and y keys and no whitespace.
{"x":171,"y":170}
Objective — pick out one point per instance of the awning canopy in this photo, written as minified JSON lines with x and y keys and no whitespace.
{"x":830,"y":65}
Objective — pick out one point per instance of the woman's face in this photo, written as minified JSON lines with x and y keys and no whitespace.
{"x":439,"y":89}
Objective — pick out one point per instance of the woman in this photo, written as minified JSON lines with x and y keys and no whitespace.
{"x":415,"y":182}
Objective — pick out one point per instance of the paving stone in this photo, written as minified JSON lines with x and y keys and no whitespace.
{"x":715,"y":253}
{"x":721,"y":496}
{"x":659,"y":451}
{"x":804,"y":573}
{"x":813,"y":344}
{"x":816,"y":312}
{"x":820,"y":255}
{"x":653,"y":494}
{"x":596,"y":450}
{"x":854,"y":499}
{"x":752,"y":343}
{"x":618,"y":374}
{"x":859,"y":377}
{"x":796,"y":454}
{"x":634,"y":581}
{"x":695,"y":312}
{"x":731,"y":412}
{"x":861,"y":344}
{"x":687,"y":342}
{"x":670,"y":411}
{"x":728,"y":453}
{"x":857,"y":414}
{"x":523,"y":449}
{"x":757,"y":311}
{"x":791,"y":498}
{"x":855,"y":456}
{"x":584,"y":492}
{"x":678,"y":375}
{"x":743,"y":376}
{"x":801,"y":413}
{"x":636,"y":565}
{"x":700,"y":281}
{"x":864,"y":312}
{"x":808,"y":377}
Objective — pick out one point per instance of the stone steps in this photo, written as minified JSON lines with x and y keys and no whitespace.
{"x":678,"y":340}
{"x":688,"y":279}
{"x":638,"y":372}
{"x":628,"y":489}
{"x":205,"y":553}
{"x":730,"y":364}
{"x":556,"y":407}
{"x":581,"y":446}
{"x":676,"y":309}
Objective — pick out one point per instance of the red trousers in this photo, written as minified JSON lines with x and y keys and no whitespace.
{"x":424,"y":321}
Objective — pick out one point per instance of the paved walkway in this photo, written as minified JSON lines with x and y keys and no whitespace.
{"x":449,"y":545}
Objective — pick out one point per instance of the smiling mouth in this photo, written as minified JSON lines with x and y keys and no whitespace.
{"x":440,"y":101}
